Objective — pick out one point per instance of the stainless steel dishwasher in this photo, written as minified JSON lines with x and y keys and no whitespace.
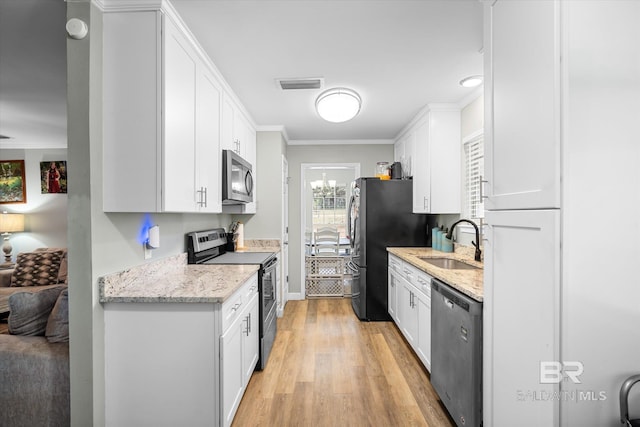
{"x":456,"y":353}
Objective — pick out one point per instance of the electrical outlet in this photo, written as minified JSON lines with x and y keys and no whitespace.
{"x":147,"y":252}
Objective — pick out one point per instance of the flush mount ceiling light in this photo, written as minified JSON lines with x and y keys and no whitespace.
{"x":471,"y":81}
{"x":338,"y":105}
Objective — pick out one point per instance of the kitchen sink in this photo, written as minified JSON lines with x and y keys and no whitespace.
{"x":449,"y":263}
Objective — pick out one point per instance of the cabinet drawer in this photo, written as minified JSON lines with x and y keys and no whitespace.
{"x":423,"y":283}
{"x":231,"y":309}
{"x":419,"y":279}
{"x":250,"y":288}
{"x":395,"y":264}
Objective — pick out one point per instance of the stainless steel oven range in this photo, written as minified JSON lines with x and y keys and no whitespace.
{"x":208,"y":247}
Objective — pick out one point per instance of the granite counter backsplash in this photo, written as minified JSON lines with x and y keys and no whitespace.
{"x":469,"y":282}
{"x":173,"y":280}
{"x":260,"y":245}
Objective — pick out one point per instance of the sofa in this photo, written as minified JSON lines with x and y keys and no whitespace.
{"x":34,"y":357}
{"x":41,"y":269}
{"x":34,"y":360}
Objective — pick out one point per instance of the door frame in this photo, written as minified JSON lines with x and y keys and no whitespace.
{"x":304,"y":167}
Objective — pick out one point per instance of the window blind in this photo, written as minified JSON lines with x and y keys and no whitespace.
{"x":474,"y":169}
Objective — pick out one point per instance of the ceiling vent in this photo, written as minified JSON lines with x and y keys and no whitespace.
{"x":297,"y":84}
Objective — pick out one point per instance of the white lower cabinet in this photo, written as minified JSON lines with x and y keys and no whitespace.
{"x":521,"y":316}
{"x":231,"y":372}
{"x":410,"y":289}
{"x":424,"y":329}
{"x":169,"y":364}
{"x":239,"y":350}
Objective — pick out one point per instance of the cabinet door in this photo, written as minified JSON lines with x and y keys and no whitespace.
{"x":522,"y":113}
{"x":408,"y":312}
{"x":179,"y":122}
{"x":250,"y":338}
{"x":424,"y":329}
{"x":444,"y":153}
{"x":207,"y":154}
{"x":421,"y":169}
{"x":521,"y":316}
{"x":226,"y":138}
{"x":393,"y":294}
{"x":231,"y":370}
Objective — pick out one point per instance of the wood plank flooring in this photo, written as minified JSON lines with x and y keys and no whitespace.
{"x":329,"y":369}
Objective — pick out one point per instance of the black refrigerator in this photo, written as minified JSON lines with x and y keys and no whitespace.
{"x":380,"y":215}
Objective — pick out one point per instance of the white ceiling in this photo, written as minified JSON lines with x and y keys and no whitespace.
{"x":398,"y":54}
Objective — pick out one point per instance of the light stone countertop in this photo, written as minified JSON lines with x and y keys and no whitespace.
{"x":469,"y":282}
{"x":173,"y":280}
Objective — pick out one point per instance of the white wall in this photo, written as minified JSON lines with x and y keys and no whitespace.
{"x":366,"y":155}
{"x":600,"y":292}
{"x":45,"y":214}
{"x":266,"y":223}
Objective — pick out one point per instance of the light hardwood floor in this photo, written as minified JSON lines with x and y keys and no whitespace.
{"x":329,"y":369}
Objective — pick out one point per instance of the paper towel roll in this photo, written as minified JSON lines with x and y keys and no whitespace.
{"x":240,"y":233}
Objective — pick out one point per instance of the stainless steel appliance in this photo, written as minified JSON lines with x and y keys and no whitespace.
{"x":208,"y":247}
{"x":380,"y":215}
{"x":237,"y":179}
{"x":456,"y":353}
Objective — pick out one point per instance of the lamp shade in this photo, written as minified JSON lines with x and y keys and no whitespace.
{"x":338,"y":105}
{"x":11,"y":223}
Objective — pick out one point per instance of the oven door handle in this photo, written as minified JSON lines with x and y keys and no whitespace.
{"x":270,"y":264}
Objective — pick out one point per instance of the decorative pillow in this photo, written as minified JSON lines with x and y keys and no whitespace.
{"x":36,"y":268}
{"x":58,"y":323}
{"x":29,"y":311}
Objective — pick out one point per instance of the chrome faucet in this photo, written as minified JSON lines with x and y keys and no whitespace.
{"x":476,"y":243}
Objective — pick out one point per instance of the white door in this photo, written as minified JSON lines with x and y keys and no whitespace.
{"x":521,"y":316}
{"x":283,"y":291}
{"x":522,"y":113}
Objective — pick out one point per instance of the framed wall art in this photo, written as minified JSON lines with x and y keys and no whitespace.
{"x":13,"y":187}
{"x":53,"y":177}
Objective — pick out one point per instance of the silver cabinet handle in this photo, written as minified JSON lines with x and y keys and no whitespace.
{"x":482,"y":182}
{"x":203,"y":197}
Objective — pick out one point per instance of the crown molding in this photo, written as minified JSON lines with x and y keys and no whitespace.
{"x":341,"y":142}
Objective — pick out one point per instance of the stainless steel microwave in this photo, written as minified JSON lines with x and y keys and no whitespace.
{"x":237,"y":179}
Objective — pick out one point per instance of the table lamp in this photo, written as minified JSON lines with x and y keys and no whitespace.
{"x":9,"y":223}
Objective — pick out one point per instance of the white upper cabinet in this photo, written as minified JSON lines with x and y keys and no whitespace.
{"x":208,"y":153}
{"x":237,"y":132}
{"x":164,"y":116}
{"x":433,"y":142}
{"x":179,"y":106}
{"x":522,"y":105}
{"x":239,"y":135}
